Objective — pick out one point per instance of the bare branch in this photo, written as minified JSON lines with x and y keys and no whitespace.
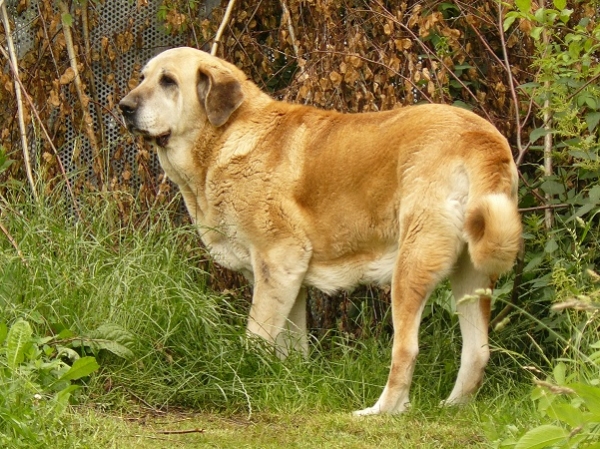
{"x":178,"y":432}
{"x":221,"y":29}
{"x":12,"y":59}
{"x":511,"y":85}
{"x":548,"y":215}
{"x":288,"y":18}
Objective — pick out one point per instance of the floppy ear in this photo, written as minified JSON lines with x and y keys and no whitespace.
{"x":220,"y":94}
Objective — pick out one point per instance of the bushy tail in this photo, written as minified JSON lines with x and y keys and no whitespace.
{"x":493,"y":229}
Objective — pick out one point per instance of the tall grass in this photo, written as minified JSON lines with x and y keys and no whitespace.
{"x":188,"y":342}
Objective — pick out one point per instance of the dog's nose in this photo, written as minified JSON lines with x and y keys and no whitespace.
{"x":128,"y":106}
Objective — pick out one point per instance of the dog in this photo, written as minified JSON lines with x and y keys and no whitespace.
{"x":294,"y":196}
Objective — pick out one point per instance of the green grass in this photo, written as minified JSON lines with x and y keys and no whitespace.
{"x":300,"y":430}
{"x":192,"y":367}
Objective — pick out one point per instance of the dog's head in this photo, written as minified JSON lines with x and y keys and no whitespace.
{"x":181,"y":90}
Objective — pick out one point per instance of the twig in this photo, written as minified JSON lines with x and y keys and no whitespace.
{"x":83,"y":99}
{"x":222,"y":26}
{"x":544,"y":207}
{"x":47,"y":39}
{"x":13,"y":243}
{"x":178,"y":432}
{"x":193,"y":28}
{"x":511,"y":84}
{"x":548,"y":217}
{"x":17,"y":80}
{"x":287,"y":17}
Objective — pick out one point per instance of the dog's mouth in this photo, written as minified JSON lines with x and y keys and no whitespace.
{"x":162,"y":140}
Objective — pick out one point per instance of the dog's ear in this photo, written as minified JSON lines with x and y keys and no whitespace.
{"x":220,"y":94}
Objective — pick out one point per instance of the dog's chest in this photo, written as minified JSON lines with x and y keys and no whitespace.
{"x":226,"y":247}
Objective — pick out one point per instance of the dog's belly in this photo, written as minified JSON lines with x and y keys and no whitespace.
{"x":346,"y":274}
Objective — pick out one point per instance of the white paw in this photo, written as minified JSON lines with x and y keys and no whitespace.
{"x":377,"y":410}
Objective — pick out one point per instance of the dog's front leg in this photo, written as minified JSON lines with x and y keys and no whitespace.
{"x":278,"y":312}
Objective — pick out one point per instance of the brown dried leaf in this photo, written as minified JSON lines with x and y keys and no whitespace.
{"x":403,"y":44}
{"x":335,"y":78}
{"x":351,"y":75}
{"x":54,"y":99}
{"x":67,"y":77}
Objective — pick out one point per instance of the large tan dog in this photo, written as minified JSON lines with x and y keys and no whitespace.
{"x":294,"y":196}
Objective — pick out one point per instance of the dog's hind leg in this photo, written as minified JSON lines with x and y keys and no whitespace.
{"x":279,"y":300}
{"x":473,"y":313}
{"x":426,"y":255}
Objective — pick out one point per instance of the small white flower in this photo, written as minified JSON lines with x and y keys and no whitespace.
{"x":37,"y":396}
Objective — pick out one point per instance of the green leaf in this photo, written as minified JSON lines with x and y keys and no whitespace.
{"x":17,"y":340}
{"x":509,"y":20}
{"x":583,"y":210}
{"x":591,"y":397}
{"x":533,"y":264}
{"x":592,"y":119}
{"x":529,"y":85}
{"x":536,"y":32}
{"x":112,"y":338}
{"x":538,"y":133}
{"x":541,"y":437}
{"x":462,"y":104}
{"x":567,"y":413}
{"x":559,"y":372}
{"x":553,"y":187}
{"x":81,"y":368}
{"x":560,"y":4}
{"x":70,"y":353}
{"x":540,"y":15}
{"x":586,"y":98}
{"x":117,"y":349}
{"x":551,"y":246}
{"x":61,"y":400}
{"x":523,"y":5}
{"x":565,"y":15}
{"x":5,"y":163}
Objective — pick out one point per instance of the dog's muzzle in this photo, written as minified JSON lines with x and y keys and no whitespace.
{"x":129,"y":107}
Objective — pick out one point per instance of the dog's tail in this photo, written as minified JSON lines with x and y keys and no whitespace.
{"x":493,"y":230}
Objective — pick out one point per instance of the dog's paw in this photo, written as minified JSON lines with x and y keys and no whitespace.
{"x":377,"y":410}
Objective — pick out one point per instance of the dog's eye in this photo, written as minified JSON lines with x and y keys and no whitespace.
{"x":167,"y":81}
